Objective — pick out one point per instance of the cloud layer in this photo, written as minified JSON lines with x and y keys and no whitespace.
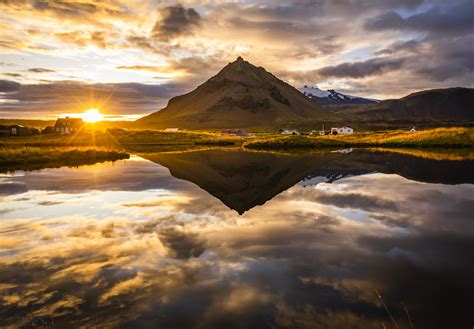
{"x":375,"y":49}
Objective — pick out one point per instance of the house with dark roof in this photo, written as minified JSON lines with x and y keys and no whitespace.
{"x":68,"y":125}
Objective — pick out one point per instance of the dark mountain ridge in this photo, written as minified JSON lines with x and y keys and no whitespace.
{"x":436,"y":105}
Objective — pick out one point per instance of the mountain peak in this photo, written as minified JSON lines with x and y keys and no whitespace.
{"x":240,"y":95}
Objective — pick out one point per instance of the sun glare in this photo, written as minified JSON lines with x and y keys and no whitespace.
{"x":92,"y":115}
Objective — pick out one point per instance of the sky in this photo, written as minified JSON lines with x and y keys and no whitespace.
{"x":129,"y":57}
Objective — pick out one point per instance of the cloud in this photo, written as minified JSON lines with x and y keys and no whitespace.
{"x":180,"y":244}
{"x":65,"y":97}
{"x":175,"y":21}
{"x":12,"y":188}
{"x":13,"y":75}
{"x":40,"y":70}
{"x":370,"y":67}
{"x":159,"y":69}
{"x":410,"y":45}
{"x":8,"y":86}
{"x":453,"y":18}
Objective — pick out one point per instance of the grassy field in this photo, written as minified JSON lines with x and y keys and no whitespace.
{"x":431,"y":138}
{"x":31,"y":158}
{"x":41,"y":151}
{"x":155,"y":140}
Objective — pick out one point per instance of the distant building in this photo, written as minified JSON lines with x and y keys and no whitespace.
{"x":236,"y":132}
{"x":289,"y":132}
{"x":342,"y":131}
{"x":172,"y":129}
{"x":68,"y":125}
{"x":19,"y":130}
{"x":413,"y":130}
{"x":316,"y":132}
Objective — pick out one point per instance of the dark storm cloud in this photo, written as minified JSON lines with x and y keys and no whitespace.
{"x":180,"y":244}
{"x":373,"y":66}
{"x":454,"y":18}
{"x":410,"y":45}
{"x":454,"y":60}
{"x":8,"y":86}
{"x":40,"y":70}
{"x":175,"y":21}
{"x":12,"y":188}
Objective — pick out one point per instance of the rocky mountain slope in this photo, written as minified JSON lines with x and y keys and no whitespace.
{"x":241,"y":95}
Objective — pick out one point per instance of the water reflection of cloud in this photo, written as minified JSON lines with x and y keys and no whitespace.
{"x":179,"y":258}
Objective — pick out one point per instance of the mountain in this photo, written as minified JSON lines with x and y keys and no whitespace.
{"x":332,"y":97}
{"x":436,"y":105}
{"x":240,"y":95}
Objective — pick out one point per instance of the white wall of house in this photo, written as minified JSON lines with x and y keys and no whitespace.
{"x":342,"y":130}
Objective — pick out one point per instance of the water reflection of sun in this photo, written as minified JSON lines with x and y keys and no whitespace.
{"x":92,"y":115}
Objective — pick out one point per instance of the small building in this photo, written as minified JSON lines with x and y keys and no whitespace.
{"x":67,"y":125}
{"x":172,"y":129}
{"x":289,"y":132}
{"x":342,"y":131}
{"x":236,"y":132}
{"x":413,"y":130}
{"x":19,"y":130}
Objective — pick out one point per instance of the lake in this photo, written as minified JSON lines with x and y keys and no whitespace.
{"x":234,"y":239}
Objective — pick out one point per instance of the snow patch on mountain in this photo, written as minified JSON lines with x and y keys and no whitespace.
{"x":332,"y":97}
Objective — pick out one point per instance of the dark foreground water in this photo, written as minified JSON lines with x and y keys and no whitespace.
{"x":240,"y":240}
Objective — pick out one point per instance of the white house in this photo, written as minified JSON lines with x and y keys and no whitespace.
{"x":413,"y":130}
{"x":290,"y":132}
{"x":172,"y":129}
{"x":342,"y":131}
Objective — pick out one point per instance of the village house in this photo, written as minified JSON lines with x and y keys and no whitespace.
{"x":413,"y":130}
{"x":289,"y":132}
{"x":19,"y":130}
{"x":68,"y":125}
{"x":342,"y":131}
{"x":172,"y":129}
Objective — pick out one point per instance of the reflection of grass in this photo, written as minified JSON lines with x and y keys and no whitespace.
{"x":433,"y":138}
{"x":30,"y":158}
{"x":432,"y":154}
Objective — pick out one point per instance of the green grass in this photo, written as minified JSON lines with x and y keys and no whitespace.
{"x":32,"y":158}
{"x":432,"y":138}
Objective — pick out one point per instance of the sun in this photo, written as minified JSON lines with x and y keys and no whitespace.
{"x":92,"y":115}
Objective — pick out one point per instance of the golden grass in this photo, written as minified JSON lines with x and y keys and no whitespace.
{"x":30,"y":158}
{"x":432,"y":138}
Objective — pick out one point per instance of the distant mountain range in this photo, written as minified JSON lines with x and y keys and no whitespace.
{"x":333,"y":98}
{"x":454,"y":105}
{"x":241,"y":95}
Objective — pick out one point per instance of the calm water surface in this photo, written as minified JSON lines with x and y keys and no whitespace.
{"x":217,"y":239}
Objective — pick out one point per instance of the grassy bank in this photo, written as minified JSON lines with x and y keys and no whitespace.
{"x":432,"y":138}
{"x":32,"y":158}
{"x":119,"y":139}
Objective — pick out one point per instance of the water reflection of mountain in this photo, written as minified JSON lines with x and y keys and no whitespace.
{"x":243,"y":180}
